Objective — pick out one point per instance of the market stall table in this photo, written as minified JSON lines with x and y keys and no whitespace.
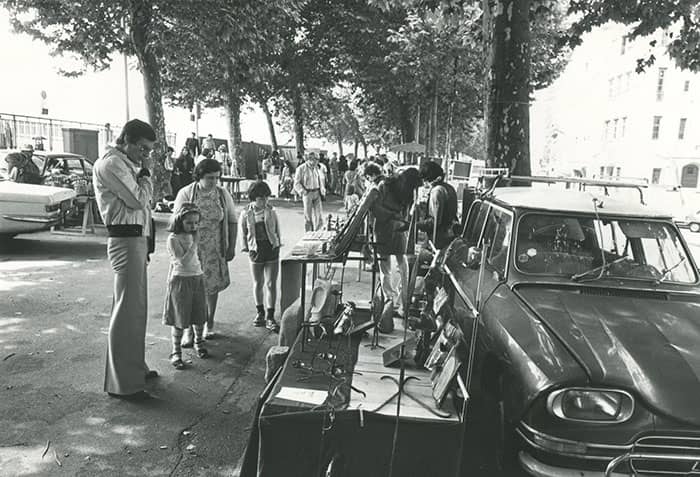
{"x":233,"y":185}
{"x":308,"y":418}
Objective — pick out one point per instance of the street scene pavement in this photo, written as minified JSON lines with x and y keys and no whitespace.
{"x":55,"y":299}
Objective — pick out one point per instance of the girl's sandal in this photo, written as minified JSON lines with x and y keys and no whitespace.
{"x":203,"y":353}
{"x":176,"y":361}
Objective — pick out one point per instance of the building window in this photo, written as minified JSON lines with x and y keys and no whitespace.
{"x":681,"y":128}
{"x":686,"y":86}
{"x":606,"y":133}
{"x":618,"y":171}
{"x":623,"y":127}
{"x":623,"y":44}
{"x":602,"y":172}
{"x":655,"y":176}
{"x":657,"y":126}
{"x":615,"y":128}
{"x":609,"y":171}
{"x":660,"y":84}
{"x":689,"y":176}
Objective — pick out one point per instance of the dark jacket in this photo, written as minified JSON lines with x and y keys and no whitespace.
{"x":193,"y":145}
{"x":389,"y":220}
{"x":442,"y":214}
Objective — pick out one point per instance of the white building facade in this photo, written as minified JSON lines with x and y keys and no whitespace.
{"x":602,"y":119}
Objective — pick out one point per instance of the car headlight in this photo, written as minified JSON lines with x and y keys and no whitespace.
{"x":591,"y":405}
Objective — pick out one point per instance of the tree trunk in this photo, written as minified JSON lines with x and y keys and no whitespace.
{"x":298,"y":112}
{"x":270,"y":123}
{"x":357,"y":146}
{"x":339,"y":139}
{"x":434,"y":121}
{"x":233,"y":113}
{"x":141,"y":17}
{"x":508,"y":81}
{"x":364,"y":147}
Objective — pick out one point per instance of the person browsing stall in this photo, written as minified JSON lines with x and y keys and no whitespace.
{"x":442,"y":205}
{"x":217,"y":235}
{"x":390,"y":199}
{"x":185,"y":299}
{"x":123,"y":192}
{"x":260,"y":231}
{"x":310,"y":184}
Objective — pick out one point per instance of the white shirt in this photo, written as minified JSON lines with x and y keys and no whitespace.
{"x":184,"y":261}
{"x":122,"y":197}
{"x":308,"y":178}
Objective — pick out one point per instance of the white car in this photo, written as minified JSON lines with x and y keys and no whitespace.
{"x":26,"y":208}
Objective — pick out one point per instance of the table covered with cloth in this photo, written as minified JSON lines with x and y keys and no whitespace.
{"x":307,"y":419}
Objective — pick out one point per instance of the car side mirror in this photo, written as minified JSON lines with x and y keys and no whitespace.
{"x":474,"y":258}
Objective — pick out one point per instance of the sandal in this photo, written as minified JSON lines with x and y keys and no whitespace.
{"x":176,"y":361}
{"x":203,"y":353}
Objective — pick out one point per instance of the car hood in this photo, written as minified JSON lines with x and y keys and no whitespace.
{"x":646,"y":343}
{"x":15,"y":192}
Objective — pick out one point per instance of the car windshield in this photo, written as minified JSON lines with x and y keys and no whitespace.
{"x":590,"y":248}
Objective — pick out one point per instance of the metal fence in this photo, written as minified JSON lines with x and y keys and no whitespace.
{"x":45,"y":133}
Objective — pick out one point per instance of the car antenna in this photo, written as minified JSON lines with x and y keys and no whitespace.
{"x":598,"y":204}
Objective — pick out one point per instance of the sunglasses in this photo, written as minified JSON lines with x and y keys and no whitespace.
{"x":145,"y":150}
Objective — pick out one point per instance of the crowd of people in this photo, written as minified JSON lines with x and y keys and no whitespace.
{"x":203,"y":231}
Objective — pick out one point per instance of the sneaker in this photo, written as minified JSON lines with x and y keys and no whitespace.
{"x":272,"y":325}
{"x":259,"y":319}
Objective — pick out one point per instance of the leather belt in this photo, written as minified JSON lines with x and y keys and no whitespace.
{"x":125,"y":230}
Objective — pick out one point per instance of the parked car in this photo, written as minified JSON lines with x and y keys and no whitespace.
{"x":62,"y":169}
{"x":587,"y":358}
{"x":28,"y":208}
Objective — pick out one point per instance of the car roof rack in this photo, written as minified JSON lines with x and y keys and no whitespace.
{"x":582,"y":182}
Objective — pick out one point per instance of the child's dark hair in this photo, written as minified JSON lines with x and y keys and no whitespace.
{"x":175,"y":223}
{"x":351,"y":189}
{"x":258,"y":189}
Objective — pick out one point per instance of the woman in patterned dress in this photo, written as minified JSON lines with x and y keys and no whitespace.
{"x":217,"y":234}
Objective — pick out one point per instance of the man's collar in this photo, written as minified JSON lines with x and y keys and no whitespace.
{"x":122,"y":155}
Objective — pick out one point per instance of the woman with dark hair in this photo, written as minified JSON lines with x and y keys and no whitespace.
{"x":442,"y":205}
{"x":217,"y":234}
{"x":390,"y":200}
{"x":260,"y":232}
{"x":287,"y":180}
{"x":182,"y":170}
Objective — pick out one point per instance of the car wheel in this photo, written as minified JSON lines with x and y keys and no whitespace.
{"x":503,"y":448}
{"x":694,"y":227}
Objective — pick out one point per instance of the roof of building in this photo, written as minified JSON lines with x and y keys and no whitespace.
{"x":561,"y":200}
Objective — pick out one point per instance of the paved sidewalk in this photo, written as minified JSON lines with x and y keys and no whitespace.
{"x":55,"y":298}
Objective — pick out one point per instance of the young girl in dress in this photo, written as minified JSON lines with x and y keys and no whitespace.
{"x":185,"y":301}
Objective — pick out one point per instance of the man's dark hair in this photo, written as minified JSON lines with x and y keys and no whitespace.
{"x":429,"y":171}
{"x":353,"y":165}
{"x":258,"y":189}
{"x":170,"y":149}
{"x":206,"y":166}
{"x":135,"y":130}
{"x":372,"y":169}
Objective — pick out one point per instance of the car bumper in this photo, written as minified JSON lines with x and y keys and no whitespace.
{"x":539,"y":469}
{"x":30,"y":219}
